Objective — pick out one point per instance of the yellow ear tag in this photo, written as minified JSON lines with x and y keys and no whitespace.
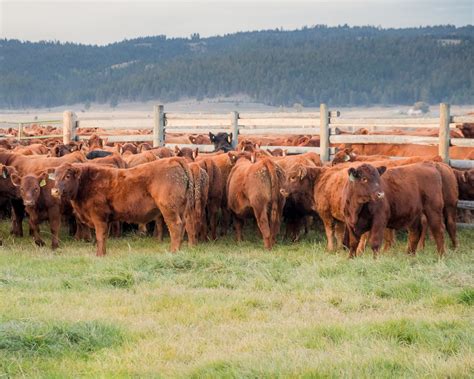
{"x":42,"y":183}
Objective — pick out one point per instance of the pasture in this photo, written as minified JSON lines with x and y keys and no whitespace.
{"x":223,"y":309}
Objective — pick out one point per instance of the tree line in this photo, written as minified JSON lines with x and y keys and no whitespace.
{"x":336,"y":65}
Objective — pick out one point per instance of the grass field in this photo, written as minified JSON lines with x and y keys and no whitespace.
{"x":228,"y":310}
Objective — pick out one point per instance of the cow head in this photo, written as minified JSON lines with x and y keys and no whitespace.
{"x":342,"y":156}
{"x":365,"y":183}
{"x":144,"y":146}
{"x":278,"y":152}
{"x":222,"y":141}
{"x":66,"y":179}
{"x":466,"y":184}
{"x":247,"y":145}
{"x":300,"y":179}
{"x":128,"y":147}
{"x":30,"y":186}
{"x":186,"y":152}
{"x":199,"y":139}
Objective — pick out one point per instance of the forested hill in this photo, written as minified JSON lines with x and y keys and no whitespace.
{"x":338,"y":65}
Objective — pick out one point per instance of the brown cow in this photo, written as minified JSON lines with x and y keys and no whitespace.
{"x":257,"y":188}
{"x":397,"y":200}
{"x":27,"y":164}
{"x":10,"y":193}
{"x":348,"y":155}
{"x":34,"y":149}
{"x":465,"y":180}
{"x":137,"y":195}
{"x":134,"y":160}
{"x":61,"y":149}
{"x":40,"y":205}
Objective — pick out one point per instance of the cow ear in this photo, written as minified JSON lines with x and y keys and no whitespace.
{"x":192,"y":139}
{"x":232,"y":156}
{"x":229,"y":138}
{"x":212,"y":137}
{"x":195,"y":153}
{"x":302,"y":172}
{"x":353,"y":174}
{"x":381,"y":169}
{"x":177,"y":150}
{"x":16,"y":180}
{"x":5,"y":173}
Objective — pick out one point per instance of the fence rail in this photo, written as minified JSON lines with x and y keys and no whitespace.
{"x":327,"y":124}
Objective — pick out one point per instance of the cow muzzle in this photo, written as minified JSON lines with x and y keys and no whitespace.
{"x":380,"y":195}
{"x":29,"y":203}
{"x":55,"y":193}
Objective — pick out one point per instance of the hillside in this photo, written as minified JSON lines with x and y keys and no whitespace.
{"x":343,"y":65}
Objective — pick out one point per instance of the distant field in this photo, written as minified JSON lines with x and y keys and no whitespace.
{"x":228,"y":310}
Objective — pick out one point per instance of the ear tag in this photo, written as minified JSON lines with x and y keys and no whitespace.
{"x":51,"y":176}
{"x":347,"y":158}
{"x":352,"y":178}
{"x":42,"y":183}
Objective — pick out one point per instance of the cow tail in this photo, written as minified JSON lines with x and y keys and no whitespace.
{"x":274,"y":190}
{"x":190,"y":185}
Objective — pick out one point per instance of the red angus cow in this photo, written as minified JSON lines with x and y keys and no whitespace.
{"x":100,"y":195}
{"x":40,"y":205}
{"x":375,"y":199}
{"x":256,"y":188}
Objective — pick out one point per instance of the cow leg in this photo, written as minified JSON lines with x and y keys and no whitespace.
{"x":339,"y":228}
{"x":450,"y":221}
{"x":212,"y":211}
{"x":54,"y":225}
{"x":436,"y":225}
{"x":376,"y":238}
{"x":225,"y":220}
{"x":353,"y":243}
{"x":362,"y":244}
{"x":159,"y":228}
{"x":329,"y":232}
{"x":34,"y":227}
{"x":175,"y":225}
{"x":415,"y":233}
{"x":101,"y":229}
{"x":388,"y":239}
{"x":116,"y":229}
{"x":142,"y":231}
{"x":263,"y":224}
{"x":239,"y":226}
{"x":18,"y":212}
{"x":191,"y":230}
{"x":424,"y":229}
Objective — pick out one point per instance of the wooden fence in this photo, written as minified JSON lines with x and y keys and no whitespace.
{"x":327,"y":124}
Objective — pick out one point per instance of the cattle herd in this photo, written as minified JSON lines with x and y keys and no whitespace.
{"x":360,"y":197}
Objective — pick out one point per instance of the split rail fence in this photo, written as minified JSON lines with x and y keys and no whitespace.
{"x":327,"y":124}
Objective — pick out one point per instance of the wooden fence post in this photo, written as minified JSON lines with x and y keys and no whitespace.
{"x":444,"y":140}
{"x":159,"y":126}
{"x":68,"y":127}
{"x":235,"y":128}
{"x":20,"y":131}
{"x":324,"y":132}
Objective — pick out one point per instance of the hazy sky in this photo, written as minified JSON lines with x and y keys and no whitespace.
{"x":101,"y":22}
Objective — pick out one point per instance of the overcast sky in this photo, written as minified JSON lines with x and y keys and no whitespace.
{"x":105,"y":21}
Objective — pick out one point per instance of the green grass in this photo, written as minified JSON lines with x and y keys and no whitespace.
{"x":227,"y":310}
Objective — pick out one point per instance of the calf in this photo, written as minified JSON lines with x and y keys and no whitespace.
{"x":40,"y":205}
{"x":257,"y":188}
{"x":397,"y":200}
{"x":138,"y":195}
